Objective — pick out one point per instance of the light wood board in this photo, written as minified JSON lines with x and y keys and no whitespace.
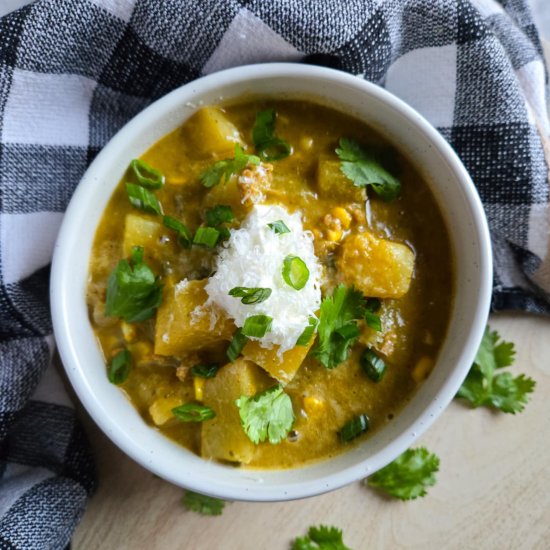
{"x":493,"y":489}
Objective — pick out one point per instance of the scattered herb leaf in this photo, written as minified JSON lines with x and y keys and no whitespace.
{"x":202,"y":504}
{"x":321,"y":538}
{"x":221,"y":213}
{"x":485,"y":387}
{"x":372,"y":307}
{"x":184,"y":235}
{"x":364,"y":169}
{"x":222,"y":170}
{"x":266,"y":415}
{"x":408,"y":476}
{"x":279,"y":227}
{"x":120,"y":366}
{"x":133,"y":291}
{"x":205,"y":371}
{"x":309,"y":331}
{"x":267,"y":144}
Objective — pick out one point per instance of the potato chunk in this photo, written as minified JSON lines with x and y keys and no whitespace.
{"x":140,"y":231}
{"x":212,"y":133}
{"x":332,"y":183}
{"x":377,"y":267}
{"x":283,"y":369}
{"x":223,"y":437}
{"x":161,"y":409}
{"x":185,"y":324}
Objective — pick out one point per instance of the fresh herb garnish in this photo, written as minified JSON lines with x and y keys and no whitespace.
{"x":222,"y":170}
{"x":257,"y":326}
{"x":484,"y":387}
{"x":321,"y":538}
{"x":279,"y":227}
{"x":373,"y":365}
{"x":143,"y":199}
{"x":238,"y":342}
{"x":120,"y":366}
{"x":354,"y":428}
{"x":266,"y":415}
{"x":221,"y":213}
{"x":202,"y":504}
{"x":250,"y":295}
{"x":133,"y":291}
{"x":364,"y":169}
{"x":337,"y":325}
{"x":192,"y":412}
{"x":147,"y":175}
{"x":205,"y":371}
{"x":372,"y":307}
{"x":184,"y":235}
{"x":267,"y":144}
{"x":408,"y":476}
{"x":305,"y":337}
{"x":295,"y":272}
{"x":206,"y":236}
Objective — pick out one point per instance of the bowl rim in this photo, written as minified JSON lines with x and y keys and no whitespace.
{"x":65,"y":335}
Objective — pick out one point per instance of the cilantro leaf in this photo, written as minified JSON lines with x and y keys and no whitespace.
{"x":133,"y":291}
{"x":202,"y":504}
{"x":266,"y":415}
{"x":267,"y":144}
{"x":321,"y":538}
{"x":223,"y":170}
{"x":364,"y":169}
{"x":485,"y":386}
{"x":408,"y":476}
{"x":337,"y":325}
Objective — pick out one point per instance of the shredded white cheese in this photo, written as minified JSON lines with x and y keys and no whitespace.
{"x":253,"y":257}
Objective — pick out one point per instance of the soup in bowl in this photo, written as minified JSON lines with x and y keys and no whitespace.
{"x":275,"y":291}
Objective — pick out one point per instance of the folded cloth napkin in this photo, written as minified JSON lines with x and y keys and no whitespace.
{"x":72,"y":73}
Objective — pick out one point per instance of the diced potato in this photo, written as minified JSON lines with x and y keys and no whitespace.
{"x":332,"y":183}
{"x":227,"y":193}
{"x":184,"y":322}
{"x":223,"y":437}
{"x":161,"y":409}
{"x":283,"y":369}
{"x":140,"y":231}
{"x":377,"y":267}
{"x":212,"y":133}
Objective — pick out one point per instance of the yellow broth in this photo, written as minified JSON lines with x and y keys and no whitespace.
{"x":323,"y":400}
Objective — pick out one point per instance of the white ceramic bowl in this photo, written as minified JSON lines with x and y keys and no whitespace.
{"x":453,"y":190}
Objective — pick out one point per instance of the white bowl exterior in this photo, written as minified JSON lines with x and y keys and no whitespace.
{"x":411,"y":134}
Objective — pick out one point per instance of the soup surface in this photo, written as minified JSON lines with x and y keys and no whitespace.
{"x":258,"y":218}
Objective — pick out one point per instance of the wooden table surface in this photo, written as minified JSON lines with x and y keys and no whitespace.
{"x":493,"y":488}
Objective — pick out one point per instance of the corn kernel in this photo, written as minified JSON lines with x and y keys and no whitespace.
{"x":422,"y":369}
{"x":333,"y":235}
{"x":128,"y":331}
{"x":313,"y":405}
{"x":343,"y":215}
{"x":198,"y":384}
{"x":140,"y":350}
{"x":161,"y":409}
{"x":306,"y":143}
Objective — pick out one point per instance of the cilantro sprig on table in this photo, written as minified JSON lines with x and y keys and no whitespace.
{"x":223,"y":170}
{"x":486,"y":386}
{"x":321,"y":538}
{"x":363,"y":169}
{"x":202,"y":504}
{"x":133,"y":291}
{"x":266,"y":415}
{"x":408,"y":476}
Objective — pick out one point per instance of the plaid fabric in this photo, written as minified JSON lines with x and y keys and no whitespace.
{"x":72,"y":73}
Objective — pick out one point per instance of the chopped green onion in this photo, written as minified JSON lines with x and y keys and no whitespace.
{"x":120,"y":367}
{"x":205,"y":371}
{"x":221,"y":213}
{"x":184,"y":235}
{"x":295,"y":272}
{"x":140,"y":198}
{"x":147,"y":175}
{"x":224,"y":233}
{"x":279,"y":227}
{"x":257,"y":325}
{"x":349,"y":331}
{"x":191,"y":412}
{"x":372,"y":306}
{"x":373,"y":365}
{"x":354,"y":428}
{"x":250,"y":295}
{"x":305,"y":337}
{"x":268,"y":146}
{"x":237,"y":344}
{"x":206,"y":236}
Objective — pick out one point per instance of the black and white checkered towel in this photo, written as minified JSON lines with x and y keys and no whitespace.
{"x":72,"y":72}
